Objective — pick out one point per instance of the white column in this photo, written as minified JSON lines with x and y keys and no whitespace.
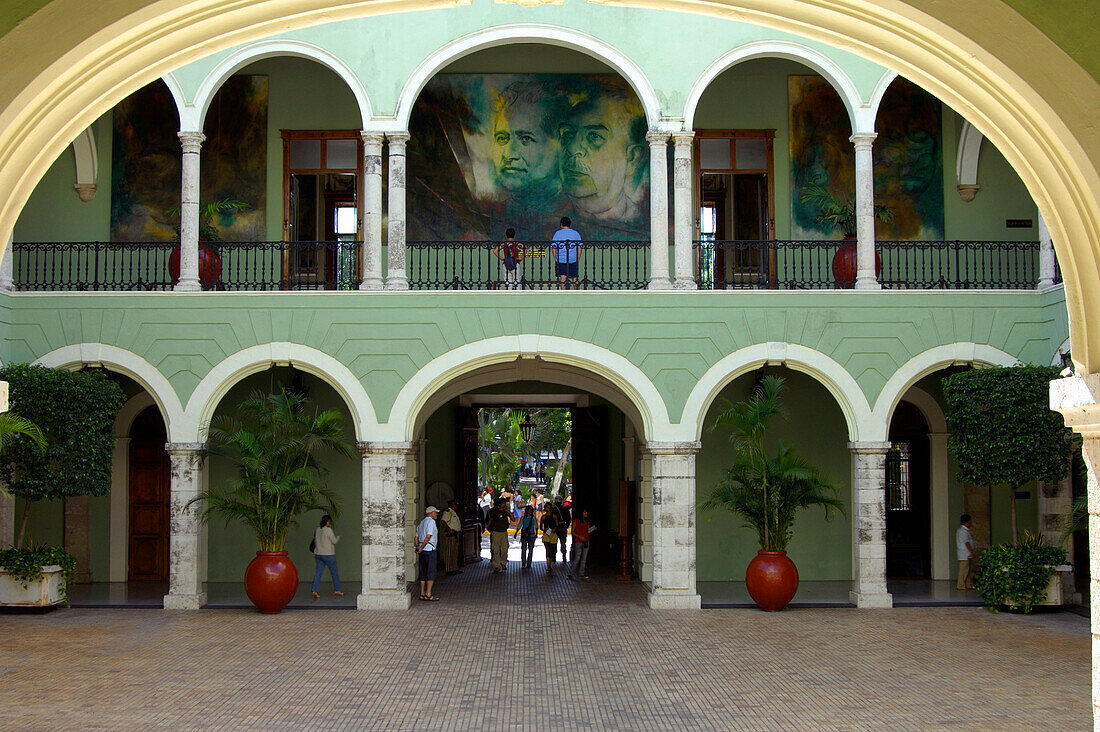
{"x":396,"y":277}
{"x":184,"y":578}
{"x":869,"y":524}
{"x":683,"y":223}
{"x":1077,"y":398}
{"x":7,"y":280}
{"x":673,"y":495}
{"x":189,"y":213}
{"x":658,"y":210}
{"x":372,"y":211}
{"x":1046,"y":256}
{"x":939,"y":482}
{"x":643,"y":544}
{"x":385,"y":533}
{"x":866,"y":278}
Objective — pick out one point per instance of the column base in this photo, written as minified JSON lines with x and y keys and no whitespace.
{"x":186,"y":286}
{"x":384,"y":600}
{"x":397,"y":283}
{"x":675,"y":601}
{"x":685,"y":285}
{"x":867,"y":283}
{"x":871,"y":600}
{"x":659,"y":284}
{"x":184,"y":602}
{"x":371,"y":284}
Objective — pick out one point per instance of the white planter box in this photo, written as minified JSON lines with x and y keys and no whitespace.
{"x":1054,"y":587}
{"x":40,"y":593}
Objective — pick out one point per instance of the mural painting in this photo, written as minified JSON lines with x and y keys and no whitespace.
{"x":493,"y":151}
{"x":907,"y":154}
{"x":145,"y":185}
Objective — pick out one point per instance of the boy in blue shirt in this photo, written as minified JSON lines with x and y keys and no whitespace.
{"x":567,"y":245}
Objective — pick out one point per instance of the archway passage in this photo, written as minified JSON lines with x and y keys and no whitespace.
{"x":908,"y":499}
{"x":150,"y":473}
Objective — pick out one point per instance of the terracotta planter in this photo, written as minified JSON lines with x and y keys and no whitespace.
{"x":210,"y":266}
{"x":271,"y":581}
{"x":845,"y":267}
{"x":772,"y":580}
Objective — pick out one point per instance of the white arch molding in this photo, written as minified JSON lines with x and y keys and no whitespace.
{"x":253,"y":52}
{"x":966,"y":161}
{"x":803,"y":54}
{"x":125,"y":362}
{"x":415,"y":396}
{"x":834,"y":377}
{"x":87,"y":165}
{"x":228,"y":372}
{"x":554,"y":35}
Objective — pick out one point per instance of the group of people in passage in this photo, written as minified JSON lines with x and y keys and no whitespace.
{"x":555,"y":526}
{"x":566,"y":244}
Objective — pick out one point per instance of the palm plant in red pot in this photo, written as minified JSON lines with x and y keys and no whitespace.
{"x":274,"y":445}
{"x":768,"y":490}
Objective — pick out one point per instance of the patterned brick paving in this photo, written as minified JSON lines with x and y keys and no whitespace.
{"x":528,"y":650}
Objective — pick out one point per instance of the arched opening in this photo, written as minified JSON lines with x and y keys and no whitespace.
{"x":148,"y":484}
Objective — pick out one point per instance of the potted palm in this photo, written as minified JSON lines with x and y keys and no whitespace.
{"x":767,"y":490}
{"x":840,"y":214}
{"x":273,"y":444}
{"x":210,"y":262}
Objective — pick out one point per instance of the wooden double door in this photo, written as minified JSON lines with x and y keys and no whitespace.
{"x":149,"y":480}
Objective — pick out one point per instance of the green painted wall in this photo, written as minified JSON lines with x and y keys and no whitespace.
{"x":821,"y":549}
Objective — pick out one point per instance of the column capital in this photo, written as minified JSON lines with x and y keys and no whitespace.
{"x":386,"y":448}
{"x":672,"y":448}
{"x":1077,"y":399}
{"x":191,"y":140}
{"x":863,"y":139}
{"x":869,"y":448}
{"x":657,"y":137}
{"x":184,"y":448}
{"x":397,"y":139}
{"x":683,"y":138}
{"x":372,"y":138}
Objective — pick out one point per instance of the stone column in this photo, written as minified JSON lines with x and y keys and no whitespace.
{"x":7,"y":279}
{"x":384,"y":530}
{"x":77,"y":529}
{"x":1046,"y":256}
{"x":1055,"y":506}
{"x":658,"y":210}
{"x":396,"y":276}
{"x":866,"y":278}
{"x":643,"y":542}
{"x":372,"y":211}
{"x":1077,"y":398}
{"x":869,"y":524}
{"x":939,"y":479}
{"x":185,"y":591}
{"x":189,"y":213}
{"x":682,"y":173}
{"x":673,"y":494}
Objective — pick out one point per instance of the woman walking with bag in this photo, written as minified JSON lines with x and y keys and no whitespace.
{"x":549,"y":538}
{"x":528,"y":530}
{"x":324,"y":555}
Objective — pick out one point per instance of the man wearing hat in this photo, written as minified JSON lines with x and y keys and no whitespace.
{"x":427,"y":541}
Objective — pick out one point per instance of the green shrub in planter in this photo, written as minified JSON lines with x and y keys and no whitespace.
{"x":1017,"y":575}
{"x":25,"y":565}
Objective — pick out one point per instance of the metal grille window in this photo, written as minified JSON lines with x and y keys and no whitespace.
{"x":898,"y":494}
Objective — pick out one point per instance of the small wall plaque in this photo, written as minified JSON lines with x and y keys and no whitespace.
{"x":1019,"y":223}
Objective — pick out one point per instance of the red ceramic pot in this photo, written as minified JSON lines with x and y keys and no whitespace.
{"x":210,"y":266}
{"x":772,"y":580}
{"x":844,"y":265}
{"x":271,"y":581}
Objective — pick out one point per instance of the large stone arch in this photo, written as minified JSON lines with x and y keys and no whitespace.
{"x":803,"y":54}
{"x":643,"y":401}
{"x":130,"y":364}
{"x":839,"y":383}
{"x":528,"y":33}
{"x":217,"y":383}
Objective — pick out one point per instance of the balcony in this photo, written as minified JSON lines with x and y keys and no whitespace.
{"x":461,"y":265}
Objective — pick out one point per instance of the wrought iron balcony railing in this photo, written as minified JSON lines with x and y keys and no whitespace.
{"x":455,"y":265}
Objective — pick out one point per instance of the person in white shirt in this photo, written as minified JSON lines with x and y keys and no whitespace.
{"x":324,"y":555}
{"x":452,"y":530}
{"x":427,"y":541}
{"x":964,"y":545}
{"x":483,"y":505}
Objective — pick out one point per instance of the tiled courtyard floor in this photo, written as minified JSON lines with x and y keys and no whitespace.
{"x":528,"y":650}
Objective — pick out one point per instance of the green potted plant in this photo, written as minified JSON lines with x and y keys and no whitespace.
{"x":68,"y":454}
{"x":273,"y":444}
{"x":1020,"y":575}
{"x":767,"y":489}
{"x":840,"y":214}
{"x":210,"y":262}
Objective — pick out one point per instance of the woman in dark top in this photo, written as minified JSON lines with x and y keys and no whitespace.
{"x":549,"y":538}
{"x":528,"y":530}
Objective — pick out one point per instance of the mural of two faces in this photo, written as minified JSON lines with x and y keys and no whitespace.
{"x":493,"y":151}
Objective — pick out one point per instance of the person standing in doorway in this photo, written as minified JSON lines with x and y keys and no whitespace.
{"x":567,"y":246}
{"x":510,"y":254}
{"x":528,"y":530}
{"x":452,"y":531}
{"x":582,"y":531}
{"x":500,"y":519}
{"x":562,"y":519}
{"x":427,"y":541}
{"x":324,"y":555}
{"x":964,"y":545}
